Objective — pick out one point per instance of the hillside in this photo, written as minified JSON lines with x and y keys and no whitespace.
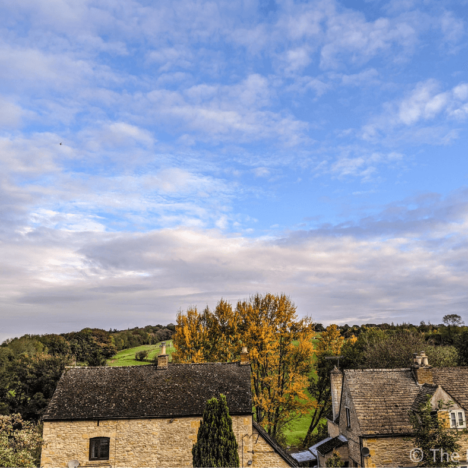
{"x":126,"y":357}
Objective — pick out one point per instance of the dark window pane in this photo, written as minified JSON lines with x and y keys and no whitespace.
{"x":99,"y":448}
{"x":104,"y":449}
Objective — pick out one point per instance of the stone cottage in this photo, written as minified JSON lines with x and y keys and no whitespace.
{"x":148,"y":416}
{"x":370,"y":424}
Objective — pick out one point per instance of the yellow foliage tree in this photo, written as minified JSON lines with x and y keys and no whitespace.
{"x":280,"y":348}
{"x":207,"y":336}
{"x":330,"y":342}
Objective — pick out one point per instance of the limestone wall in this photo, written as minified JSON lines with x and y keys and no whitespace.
{"x":333,"y":429}
{"x":135,"y":442}
{"x":389,"y":451}
{"x":351,"y":433}
{"x":395,"y":451}
{"x":342,"y":452}
{"x":264,"y":455}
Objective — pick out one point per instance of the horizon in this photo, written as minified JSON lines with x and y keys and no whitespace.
{"x":157,"y":157}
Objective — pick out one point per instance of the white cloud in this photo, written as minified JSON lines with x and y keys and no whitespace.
{"x":10,"y":113}
{"x":425,"y":103}
{"x":400,"y":263}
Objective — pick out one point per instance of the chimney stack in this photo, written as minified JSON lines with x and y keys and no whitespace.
{"x":336,"y":382}
{"x":244,"y":357}
{"x":163,"y":358}
{"x":422,"y":371}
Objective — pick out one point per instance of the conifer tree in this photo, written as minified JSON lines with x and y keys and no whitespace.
{"x":216,"y":444}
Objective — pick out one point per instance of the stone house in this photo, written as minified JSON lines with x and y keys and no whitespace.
{"x":148,"y":416}
{"x":370,"y":424}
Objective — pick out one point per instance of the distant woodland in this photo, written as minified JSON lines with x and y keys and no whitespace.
{"x":31,"y":365}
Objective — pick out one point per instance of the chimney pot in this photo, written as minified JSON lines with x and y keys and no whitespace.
{"x":422,"y":370}
{"x":244,"y":356}
{"x":163,"y":358}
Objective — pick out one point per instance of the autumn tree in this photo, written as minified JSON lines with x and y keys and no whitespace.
{"x":329,"y":344}
{"x":280,"y":350}
{"x":207,"y":336}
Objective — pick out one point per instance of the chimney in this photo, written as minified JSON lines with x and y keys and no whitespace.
{"x":244,"y":357}
{"x":163,"y":358}
{"x":422,"y":371}
{"x":336,"y":382}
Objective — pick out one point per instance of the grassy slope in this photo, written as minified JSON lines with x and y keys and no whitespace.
{"x":126,"y":357}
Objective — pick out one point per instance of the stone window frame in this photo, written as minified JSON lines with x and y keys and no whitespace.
{"x":455,"y":415}
{"x":348,"y":417}
{"x":92,"y":443}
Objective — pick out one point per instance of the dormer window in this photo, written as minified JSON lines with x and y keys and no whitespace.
{"x":99,"y":448}
{"x":457,"y":419}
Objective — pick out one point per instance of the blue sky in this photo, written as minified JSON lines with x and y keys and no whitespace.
{"x":219,"y":149}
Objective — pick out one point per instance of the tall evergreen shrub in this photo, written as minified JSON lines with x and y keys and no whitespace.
{"x":216,"y":444}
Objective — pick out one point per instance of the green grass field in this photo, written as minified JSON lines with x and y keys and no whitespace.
{"x":126,"y":357}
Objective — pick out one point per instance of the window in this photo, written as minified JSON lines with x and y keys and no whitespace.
{"x":457,"y":419}
{"x":99,"y":448}
{"x":348,"y":418}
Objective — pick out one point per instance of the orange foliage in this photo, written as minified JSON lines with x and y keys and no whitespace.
{"x":280,"y":348}
{"x":330,"y":341}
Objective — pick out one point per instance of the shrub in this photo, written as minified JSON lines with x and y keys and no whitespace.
{"x":141,"y":355}
{"x":20,"y":442}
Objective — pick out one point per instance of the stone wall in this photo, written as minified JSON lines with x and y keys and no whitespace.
{"x":138,"y":442}
{"x":264,"y":455}
{"x":352,"y":433}
{"x":333,"y":429}
{"x":336,"y":386}
{"x":388,"y":451}
{"x":342,"y":452}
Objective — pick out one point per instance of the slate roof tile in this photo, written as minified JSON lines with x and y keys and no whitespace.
{"x":146,"y":392}
{"x":331,"y":445}
{"x":383,"y":398}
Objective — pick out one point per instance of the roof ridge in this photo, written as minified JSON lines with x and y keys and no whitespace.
{"x":154,"y":365}
{"x":379,"y":370}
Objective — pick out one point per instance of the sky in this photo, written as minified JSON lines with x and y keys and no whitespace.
{"x":161,"y":155}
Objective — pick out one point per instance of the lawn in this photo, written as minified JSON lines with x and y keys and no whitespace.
{"x":126,"y":357}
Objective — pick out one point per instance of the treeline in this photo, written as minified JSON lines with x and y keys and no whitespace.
{"x":31,"y":365}
{"x":446,"y":333}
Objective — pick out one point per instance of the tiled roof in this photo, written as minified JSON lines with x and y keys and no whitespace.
{"x":317,"y":446}
{"x":425,"y":391}
{"x":304,"y":456}
{"x":332,"y":444}
{"x":382,"y":399}
{"x":453,"y":381}
{"x":146,"y":392}
{"x":275,"y":446}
